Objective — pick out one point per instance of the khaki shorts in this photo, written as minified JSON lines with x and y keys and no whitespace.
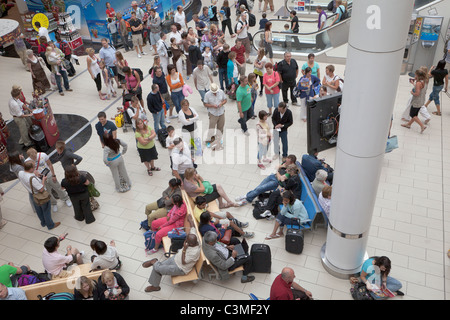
{"x":246,"y":43}
{"x":137,"y":39}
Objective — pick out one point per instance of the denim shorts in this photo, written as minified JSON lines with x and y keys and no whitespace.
{"x":434,"y":95}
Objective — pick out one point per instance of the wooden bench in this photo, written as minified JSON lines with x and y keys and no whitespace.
{"x":61,"y":285}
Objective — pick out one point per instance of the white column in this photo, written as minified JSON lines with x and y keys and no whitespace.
{"x":377,"y":38}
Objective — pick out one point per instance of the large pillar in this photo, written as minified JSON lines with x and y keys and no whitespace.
{"x":377,"y":38}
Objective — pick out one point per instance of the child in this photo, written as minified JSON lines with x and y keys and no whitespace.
{"x":224,"y":219}
{"x":207,"y":58}
{"x":112,"y":28}
{"x":288,"y":39}
{"x":108,"y":79}
{"x":232,"y":69}
{"x":169,"y":142}
{"x":263,"y":21}
{"x":264,"y":137}
{"x":254,"y":87}
{"x":66,"y":155}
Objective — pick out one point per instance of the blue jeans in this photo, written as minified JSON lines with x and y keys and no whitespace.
{"x":392,"y":284}
{"x":434,"y":95}
{"x":223,"y":78}
{"x":44,"y":213}
{"x":202,"y":93}
{"x":283,"y":135}
{"x":273,"y":100}
{"x":65,"y":79}
{"x":270,"y":183}
{"x":177,"y":96}
{"x":243,"y":121}
{"x":158,"y":121}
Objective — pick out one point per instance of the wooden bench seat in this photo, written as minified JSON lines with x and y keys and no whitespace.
{"x":61,"y":285}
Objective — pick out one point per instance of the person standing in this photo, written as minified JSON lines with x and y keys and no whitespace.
{"x":145,"y":137}
{"x":21,"y":49}
{"x":282,"y":119}
{"x":202,"y":78}
{"x":244,"y":103}
{"x":33,"y":184}
{"x":215,"y":101}
{"x":22,"y":120}
{"x":104,"y":125}
{"x":112,"y":157}
{"x":42,"y":31}
{"x":222,"y":61}
{"x":38,"y":76}
{"x":155,"y":29}
{"x":180,"y":18}
{"x":136,"y":34}
{"x":155,"y":106}
{"x":42,"y":162}
{"x":123,"y":31}
{"x":107,"y":54}
{"x":271,"y":81}
{"x":242,"y":35}
{"x":160,"y":79}
{"x":226,"y":18}
{"x":75,"y":185}
{"x":163,"y":52}
{"x":175,"y":82}
{"x":288,"y":71}
{"x":240,"y":56}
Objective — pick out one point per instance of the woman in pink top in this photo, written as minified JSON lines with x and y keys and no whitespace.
{"x":133,"y":83}
{"x":271,"y":80}
{"x":174,"y":219}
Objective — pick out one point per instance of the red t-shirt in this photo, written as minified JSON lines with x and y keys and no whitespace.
{"x":240,"y":57}
{"x":281,"y":290}
{"x":110,"y":13}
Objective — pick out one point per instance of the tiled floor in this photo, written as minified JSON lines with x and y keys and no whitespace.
{"x":410,"y":224}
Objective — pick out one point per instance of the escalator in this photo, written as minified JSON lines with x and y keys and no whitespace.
{"x":309,"y":40}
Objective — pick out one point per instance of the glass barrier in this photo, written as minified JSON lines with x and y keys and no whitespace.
{"x":310,"y":6}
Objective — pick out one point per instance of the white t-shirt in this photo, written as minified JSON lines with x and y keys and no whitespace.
{"x":15,"y":107}
{"x":203,"y":77}
{"x":244,"y":33}
{"x":176,"y":35}
{"x":180,"y":18}
{"x":41,"y":161}
{"x":131,"y":112}
{"x":335,"y":77}
{"x":169,"y":141}
{"x":24,"y":178}
{"x":43,"y":32}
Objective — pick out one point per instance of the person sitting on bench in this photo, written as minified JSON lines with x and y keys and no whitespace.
{"x":311,"y":164}
{"x":225,"y":258}
{"x":179,"y":264}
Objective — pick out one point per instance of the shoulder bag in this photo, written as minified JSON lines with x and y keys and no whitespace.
{"x":39,"y":198}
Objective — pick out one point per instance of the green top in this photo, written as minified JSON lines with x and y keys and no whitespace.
{"x":150,"y":145}
{"x":6,"y":271}
{"x":244,"y":95}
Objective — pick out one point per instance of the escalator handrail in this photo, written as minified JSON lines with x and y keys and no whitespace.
{"x":349,"y":5}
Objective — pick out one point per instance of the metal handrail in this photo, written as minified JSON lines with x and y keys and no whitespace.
{"x":349,"y":4}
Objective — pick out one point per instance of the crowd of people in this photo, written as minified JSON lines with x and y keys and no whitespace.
{"x":220,"y":75}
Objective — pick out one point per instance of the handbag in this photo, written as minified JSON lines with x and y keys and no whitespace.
{"x":93,"y":192}
{"x":226,"y":237}
{"x":359,"y":291}
{"x":161,"y":202}
{"x":39,"y":198}
{"x":208,"y":187}
{"x":94,"y":203}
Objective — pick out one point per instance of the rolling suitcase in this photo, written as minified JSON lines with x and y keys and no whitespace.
{"x":261,"y":258}
{"x":294,"y":240}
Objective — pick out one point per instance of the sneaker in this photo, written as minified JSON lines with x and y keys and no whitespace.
{"x":248,"y":235}
{"x":249,"y":61}
{"x":139,"y":56}
{"x":242,"y":224}
{"x":173,"y":117}
{"x":247,"y":133}
{"x":265,"y":214}
{"x":144,"y":53}
{"x":70,"y":89}
{"x":240,"y":198}
{"x":294,"y":103}
{"x":55,"y":208}
{"x":242,"y":203}
{"x":261,"y":166}
{"x":270,"y":218}
{"x":68,"y":203}
{"x":275,"y":157}
{"x":399,"y":293}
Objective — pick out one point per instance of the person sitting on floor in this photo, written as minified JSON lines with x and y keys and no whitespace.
{"x":284,"y":287}
{"x":293,"y":212}
{"x":179,"y":264}
{"x":105,"y":256}
{"x":224,"y":218}
{"x":270,"y":183}
{"x":311,"y":164}
{"x":224,"y":258}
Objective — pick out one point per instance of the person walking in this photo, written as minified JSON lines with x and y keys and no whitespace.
{"x":282,"y":119}
{"x":214,"y":101}
{"x":155,"y":106}
{"x":244,"y":103}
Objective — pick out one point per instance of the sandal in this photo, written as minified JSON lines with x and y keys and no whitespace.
{"x":150,"y":173}
{"x":270,"y":237}
{"x":261,"y":166}
{"x":421,"y":131}
{"x":406,"y":126}
{"x":436,"y":113}
{"x":155,"y":169}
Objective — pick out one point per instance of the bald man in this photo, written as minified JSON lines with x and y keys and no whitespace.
{"x":179,"y":264}
{"x":284,"y":287}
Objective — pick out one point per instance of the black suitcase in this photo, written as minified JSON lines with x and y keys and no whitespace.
{"x":294,"y":240}
{"x":261,"y":258}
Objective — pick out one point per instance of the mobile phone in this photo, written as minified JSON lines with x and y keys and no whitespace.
{"x":63,"y":237}
{"x":45,"y":172}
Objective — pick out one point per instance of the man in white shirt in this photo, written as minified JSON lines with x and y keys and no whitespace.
{"x":242,"y":34}
{"x":43,"y":211}
{"x":43,"y":32}
{"x":22,"y":120}
{"x":174,"y":33}
{"x":42,"y":162}
{"x":202,"y":78}
{"x":136,"y":111}
{"x":181,"y":159}
{"x":139,"y":12}
{"x":214,"y":101}
{"x":161,"y":49}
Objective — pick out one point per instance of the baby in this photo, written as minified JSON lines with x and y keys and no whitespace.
{"x":53,"y":57}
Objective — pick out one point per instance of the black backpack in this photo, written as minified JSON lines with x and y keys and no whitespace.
{"x":251,"y":19}
{"x":141,"y":74}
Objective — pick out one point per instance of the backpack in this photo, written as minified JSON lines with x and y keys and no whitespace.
{"x":235,"y":27}
{"x":344,"y":13}
{"x":57,"y":296}
{"x":128,"y":26}
{"x":210,"y":12}
{"x":27,"y":279}
{"x":119,"y":120}
{"x":65,"y":48}
{"x":144,"y":225}
{"x":139,"y":71}
{"x":149,"y":242}
{"x":341,"y":85}
{"x":251,"y":19}
{"x":359,"y":292}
